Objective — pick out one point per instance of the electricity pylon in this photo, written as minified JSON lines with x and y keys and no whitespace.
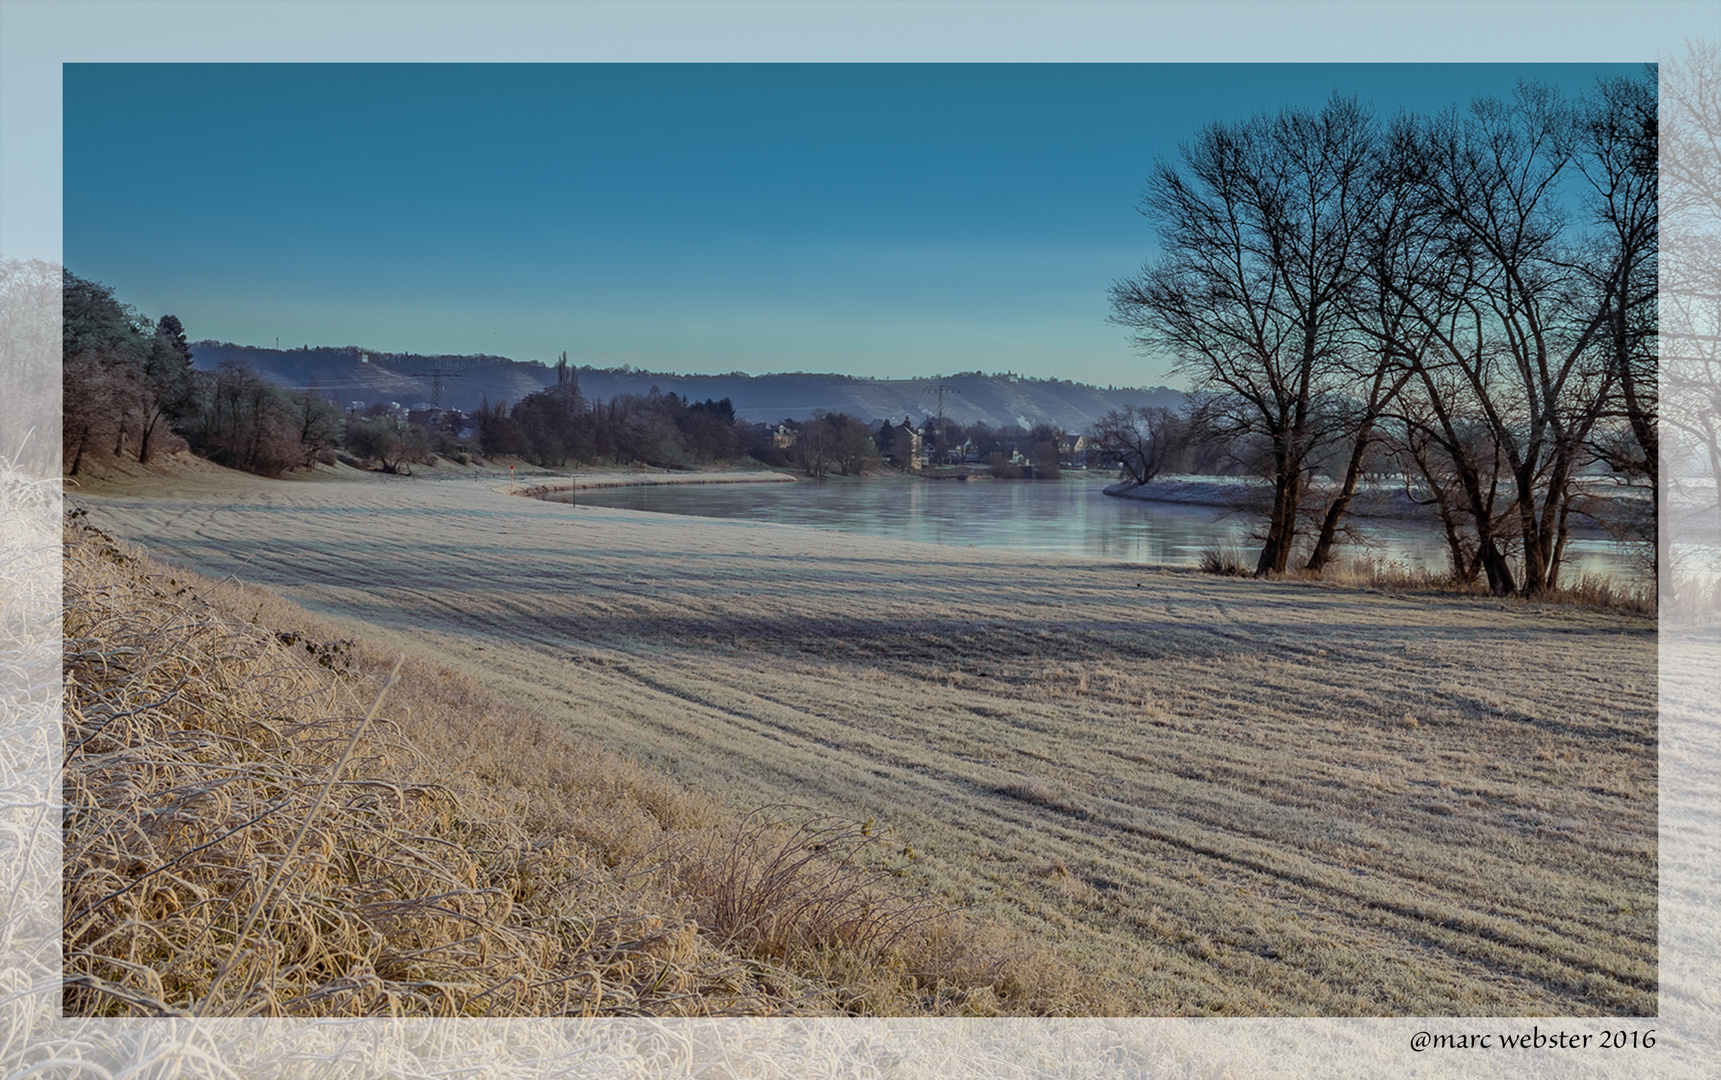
{"x":437,"y":374}
{"x":940,"y":388}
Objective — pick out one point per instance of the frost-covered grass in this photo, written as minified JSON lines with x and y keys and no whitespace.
{"x":1206,"y":796}
{"x":245,"y":837}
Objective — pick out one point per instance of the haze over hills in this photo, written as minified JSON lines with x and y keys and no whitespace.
{"x":351,"y":374}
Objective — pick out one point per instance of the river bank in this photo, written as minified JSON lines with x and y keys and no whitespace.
{"x":1214,"y":797}
{"x":1600,"y":498}
{"x":600,"y":480}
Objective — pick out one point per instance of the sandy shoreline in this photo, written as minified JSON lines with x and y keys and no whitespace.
{"x":603,"y":480}
{"x":1237,"y":797}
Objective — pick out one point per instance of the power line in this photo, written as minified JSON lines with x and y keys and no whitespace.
{"x":437,"y":374}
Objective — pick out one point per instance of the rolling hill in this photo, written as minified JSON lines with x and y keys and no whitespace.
{"x":353,"y":374}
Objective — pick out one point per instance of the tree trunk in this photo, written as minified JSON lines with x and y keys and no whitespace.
{"x":1465,"y":564}
{"x":1499,"y":571}
{"x":1328,"y":537}
{"x":1282,"y":526}
{"x":1341,"y":505}
{"x":1541,"y":530}
{"x":78,"y":456}
{"x":1494,"y":564}
{"x":152,"y":420}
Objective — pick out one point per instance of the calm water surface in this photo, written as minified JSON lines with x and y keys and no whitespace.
{"x":1071,"y":516}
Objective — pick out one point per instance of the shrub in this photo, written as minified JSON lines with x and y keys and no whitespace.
{"x":1225,"y":561}
{"x":772,"y":887}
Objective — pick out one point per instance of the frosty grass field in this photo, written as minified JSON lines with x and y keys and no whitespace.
{"x":1212,"y":796}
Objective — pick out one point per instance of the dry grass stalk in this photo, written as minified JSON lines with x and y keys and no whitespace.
{"x":1224,"y":561}
{"x":221,"y":859}
{"x":1587,"y":589}
{"x":773,"y":887}
{"x":29,"y":692}
{"x":243,"y":837}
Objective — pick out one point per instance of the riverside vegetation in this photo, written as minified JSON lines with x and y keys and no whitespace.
{"x":1130,"y":791}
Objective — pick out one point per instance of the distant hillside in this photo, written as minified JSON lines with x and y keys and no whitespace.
{"x":349,"y":373}
{"x":995,"y":399}
{"x":354,"y":374}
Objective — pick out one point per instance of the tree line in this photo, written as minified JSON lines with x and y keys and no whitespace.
{"x":128,"y":386}
{"x":558,"y":425}
{"x":1466,"y":300}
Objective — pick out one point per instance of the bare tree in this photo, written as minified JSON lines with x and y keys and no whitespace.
{"x":1260,"y":233}
{"x":815,"y":448}
{"x":1138,"y":440}
{"x":94,"y":391}
{"x":1412,"y":307}
{"x":241,"y":420}
{"x":319,"y":425}
{"x":1514,"y":328}
{"x":1616,"y":155}
{"x":851,"y":444}
{"x":389,"y":442}
{"x":1461,"y":471}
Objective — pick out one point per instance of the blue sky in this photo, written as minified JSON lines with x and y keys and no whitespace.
{"x":874,"y":219}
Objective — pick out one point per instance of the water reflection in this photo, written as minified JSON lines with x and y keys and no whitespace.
{"x":1071,"y":516}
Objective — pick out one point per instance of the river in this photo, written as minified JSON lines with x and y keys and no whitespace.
{"x":1070,"y":516}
